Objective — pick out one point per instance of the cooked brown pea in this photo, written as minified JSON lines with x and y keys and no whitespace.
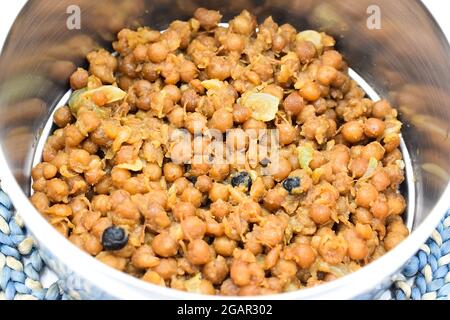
{"x":320,"y":213}
{"x":219,"y":68}
{"x":274,"y":198}
{"x":173,"y":92}
{"x":362,"y":215}
{"x":144,"y":102}
{"x":305,"y":50}
{"x":220,"y":208}
{"x":287,"y":133}
{"x":284,"y":269}
{"x":241,"y":113}
{"x":208,"y":18}
{"x":164,"y":245}
{"x":198,"y":252}
{"x":40,"y":201}
{"x":366,"y":194}
{"x":240,"y":273}
{"x":57,"y":190}
{"x":302,"y":254}
{"x":176,"y":117}
{"x":153,"y":171}
{"x":224,"y":246}
{"x":90,"y":146}
{"x":142,"y":87}
{"x":332,"y":58}
{"x":172,"y":171}
{"x":253,"y":124}
{"x":221,"y":120}
{"x":157,"y":52}
{"x":219,"y":172}
{"x":380,"y":209}
{"x":156,"y":216}
{"x":204,"y":183}
{"x":166,"y":268}
{"x":353,"y":131}
{"x":310,"y":91}
{"x":79,"y":160}
{"x":193,"y":196}
{"x":60,"y":210}
{"x":92,"y":245}
{"x":357,"y":248}
{"x":373,"y":150}
{"x":250,"y":211}
{"x":193,"y":227}
{"x":326,"y":75}
{"x":188,"y":71}
{"x":49,"y":171}
{"x":381,"y":109}
{"x":235,"y":42}
{"x":182,"y":210}
{"x":294,"y":103}
{"x":62,"y":117}
{"x":278,"y":42}
{"x":144,"y":258}
{"x":244,"y":23}
{"x":358,"y":167}
{"x":373,"y":127}
{"x":195,"y":122}
{"x":218,"y":191}
{"x":214,"y":228}
{"x":396,"y":203}
{"x":280,"y":169}
{"x":73,"y":136}
{"x":216,"y":270}
{"x":79,"y":79}
{"x":140,"y":53}
{"x":180,"y":184}
{"x":381,"y":180}
{"x":119,"y":176}
{"x":101,"y":203}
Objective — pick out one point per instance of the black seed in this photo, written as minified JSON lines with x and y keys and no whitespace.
{"x":291,"y":183}
{"x":265,"y":162}
{"x":242,"y":178}
{"x":114,"y":238}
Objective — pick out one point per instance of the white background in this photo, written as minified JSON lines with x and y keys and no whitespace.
{"x":10,"y":8}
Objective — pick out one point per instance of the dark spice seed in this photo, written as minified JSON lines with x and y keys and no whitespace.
{"x":242,"y":178}
{"x":291,"y":183}
{"x":265,"y":162}
{"x":114,"y":238}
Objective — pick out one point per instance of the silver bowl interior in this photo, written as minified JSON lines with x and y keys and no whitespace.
{"x":406,"y":61}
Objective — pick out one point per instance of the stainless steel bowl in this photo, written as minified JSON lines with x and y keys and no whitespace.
{"x":407,"y":61}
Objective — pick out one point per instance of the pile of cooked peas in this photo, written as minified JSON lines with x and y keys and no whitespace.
{"x":115,"y":184}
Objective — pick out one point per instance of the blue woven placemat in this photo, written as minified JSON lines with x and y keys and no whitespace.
{"x":425,"y":276}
